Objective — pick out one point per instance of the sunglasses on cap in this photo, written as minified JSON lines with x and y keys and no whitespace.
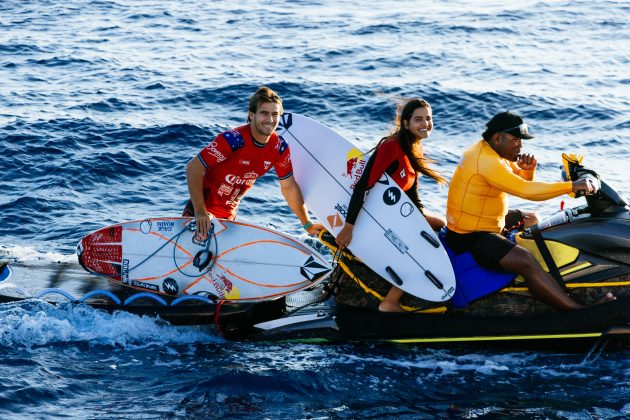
{"x":522,"y":128}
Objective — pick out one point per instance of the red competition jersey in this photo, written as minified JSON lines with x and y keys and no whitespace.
{"x":388,"y":158}
{"x":392,"y":159}
{"x":233,"y":161}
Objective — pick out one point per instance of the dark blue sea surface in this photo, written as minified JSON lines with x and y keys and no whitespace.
{"x":102,"y":103}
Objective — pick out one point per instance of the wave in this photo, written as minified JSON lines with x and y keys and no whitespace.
{"x":35,"y":323}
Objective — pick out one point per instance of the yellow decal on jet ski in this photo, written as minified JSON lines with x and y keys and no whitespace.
{"x":568,"y":160}
{"x":562,"y":254}
{"x":493,"y":338}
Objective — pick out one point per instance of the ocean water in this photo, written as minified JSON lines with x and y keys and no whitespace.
{"x":102,"y":103}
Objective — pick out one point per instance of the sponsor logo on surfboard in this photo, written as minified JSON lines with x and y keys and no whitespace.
{"x":391,"y":196}
{"x":334,"y":220}
{"x":313,"y":270}
{"x":406,"y":209}
{"x":396,"y":241}
{"x":143,"y":285}
{"x":221,"y":284}
{"x":145,"y":226}
{"x":124,"y":273}
{"x":342,"y":209}
{"x":449,"y":293}
{"x":165,"y":225}
{"x":355,"y":165}
{"x":169,"y":285}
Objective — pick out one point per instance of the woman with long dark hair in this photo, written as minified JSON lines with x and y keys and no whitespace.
{"x":400,"y":155}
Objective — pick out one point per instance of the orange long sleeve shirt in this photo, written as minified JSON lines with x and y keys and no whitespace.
{"x":477,"y":196}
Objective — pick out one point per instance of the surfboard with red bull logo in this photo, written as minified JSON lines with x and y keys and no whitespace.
{"x":390,"y":235}
{"x":237,"y":261}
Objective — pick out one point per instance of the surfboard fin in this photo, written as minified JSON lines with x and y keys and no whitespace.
{"x":394,"y":275}
{"x":434,"y":279}
{"x":427,"y":237}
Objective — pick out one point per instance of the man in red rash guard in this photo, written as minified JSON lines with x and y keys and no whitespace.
{"x":220,"y":175}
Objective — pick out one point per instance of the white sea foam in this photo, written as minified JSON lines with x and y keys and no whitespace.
{"x":18,"y":253}
{"x":37,"y":323}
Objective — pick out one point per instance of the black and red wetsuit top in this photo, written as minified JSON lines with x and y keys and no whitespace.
{"x":388,"y":158}
{"x":233,"y":162}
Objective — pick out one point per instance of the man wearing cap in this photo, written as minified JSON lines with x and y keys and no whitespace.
{"x":477,"y":205}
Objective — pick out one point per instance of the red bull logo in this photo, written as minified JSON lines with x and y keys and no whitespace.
{"x":222,"y":287}
{"x":355,"y":165}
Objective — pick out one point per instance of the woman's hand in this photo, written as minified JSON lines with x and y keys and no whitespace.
{"x":345,"y":236}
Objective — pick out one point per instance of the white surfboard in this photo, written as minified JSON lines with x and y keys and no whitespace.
{"x":390,"y":235}
{"x":243,"y":262}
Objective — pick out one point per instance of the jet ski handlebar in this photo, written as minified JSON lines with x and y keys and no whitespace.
{"x":605,"y":200}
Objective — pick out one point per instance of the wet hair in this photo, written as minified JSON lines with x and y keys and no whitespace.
{"x":407,"y":140}
{"x":262,"y":95}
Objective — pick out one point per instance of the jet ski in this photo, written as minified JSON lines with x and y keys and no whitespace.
{"x":586,"y":249}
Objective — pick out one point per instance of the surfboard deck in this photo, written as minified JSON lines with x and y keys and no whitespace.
{"x":163,"y":255}
{"x":390,"y":235}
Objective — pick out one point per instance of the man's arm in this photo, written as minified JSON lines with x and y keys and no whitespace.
{"x":293,"y":195}
{"x":505,"y":180}
{"x":195,"y":171}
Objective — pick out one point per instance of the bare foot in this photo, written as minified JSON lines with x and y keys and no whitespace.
{"x":608,"y":297}
{"x":386,"y":306}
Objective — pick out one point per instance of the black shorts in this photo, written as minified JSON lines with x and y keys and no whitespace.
{"x":486,"y":247}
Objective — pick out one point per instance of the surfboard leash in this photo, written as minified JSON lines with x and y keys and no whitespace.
{"x":177,"y":235}
{"x":217,"y":313}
